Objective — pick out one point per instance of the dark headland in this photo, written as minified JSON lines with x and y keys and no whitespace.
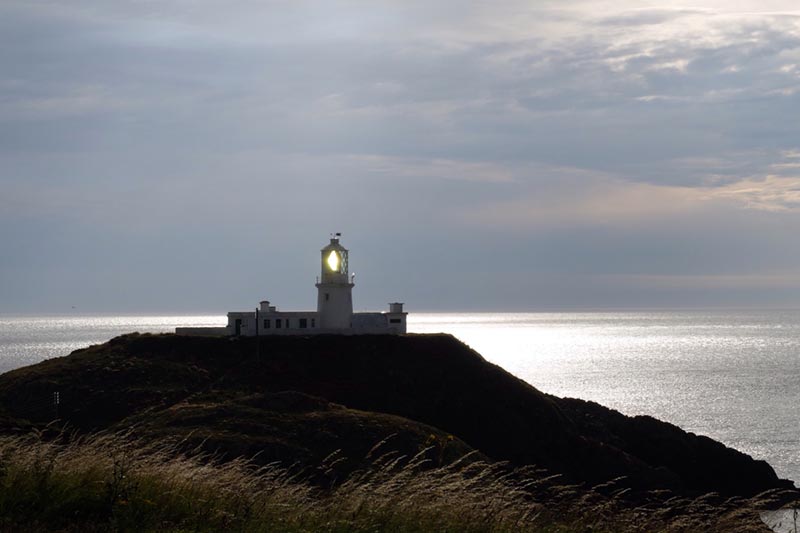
{"x":295,"y":400}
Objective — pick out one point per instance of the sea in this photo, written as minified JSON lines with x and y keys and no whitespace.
{"x":731,"y":375}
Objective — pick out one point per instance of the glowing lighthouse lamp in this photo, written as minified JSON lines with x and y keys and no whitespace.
{"x":334,"y":261}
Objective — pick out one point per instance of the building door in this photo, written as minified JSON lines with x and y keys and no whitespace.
{"x":238,"y":326}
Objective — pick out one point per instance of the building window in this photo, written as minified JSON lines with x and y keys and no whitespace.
{"x":327,"y":296}
{"x":278,"y":323}
{"x":313,"y":322}
{"x":303,"y":323}
{"x":266,"y":323}
{"x":287,"y":323}
{"x":394,"y":321}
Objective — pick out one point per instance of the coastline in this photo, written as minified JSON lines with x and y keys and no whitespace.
{"x":533,"y":347}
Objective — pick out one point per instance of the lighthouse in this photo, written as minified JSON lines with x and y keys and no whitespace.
{"x":335,"y":287}
{"x":334,"y":314}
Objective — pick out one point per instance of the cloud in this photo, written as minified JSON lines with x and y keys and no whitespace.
{"x":594,"y":203}
{"x":598,"y":130}
{"x":773,"y":193}
{"x":608,"y":201}
{"x":445,"y":169}
{"x":648,"y":16}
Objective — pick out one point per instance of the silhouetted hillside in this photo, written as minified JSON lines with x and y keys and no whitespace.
{"x":297,"y":399}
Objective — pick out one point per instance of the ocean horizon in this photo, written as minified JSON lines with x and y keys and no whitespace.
{"x":732,"y":375}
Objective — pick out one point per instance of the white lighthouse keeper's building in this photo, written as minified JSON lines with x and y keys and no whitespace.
{"x":334,"y":312}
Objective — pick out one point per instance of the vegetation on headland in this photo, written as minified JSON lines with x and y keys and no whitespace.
{"x":107,"y":482}
{"x":171,"y":433}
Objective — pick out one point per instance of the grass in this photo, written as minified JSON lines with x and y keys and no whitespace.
{"x":107,"y":482}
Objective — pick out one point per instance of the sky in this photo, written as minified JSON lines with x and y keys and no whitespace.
{"x":194,"y":156}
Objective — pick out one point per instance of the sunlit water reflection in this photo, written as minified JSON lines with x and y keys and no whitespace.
{"x":28,"y":340}
{"x":734,"y":376}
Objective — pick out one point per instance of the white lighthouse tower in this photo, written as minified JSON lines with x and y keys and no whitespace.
{"x":335,"y":288}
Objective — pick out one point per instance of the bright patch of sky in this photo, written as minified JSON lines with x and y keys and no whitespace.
{"x":180,"y":156}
